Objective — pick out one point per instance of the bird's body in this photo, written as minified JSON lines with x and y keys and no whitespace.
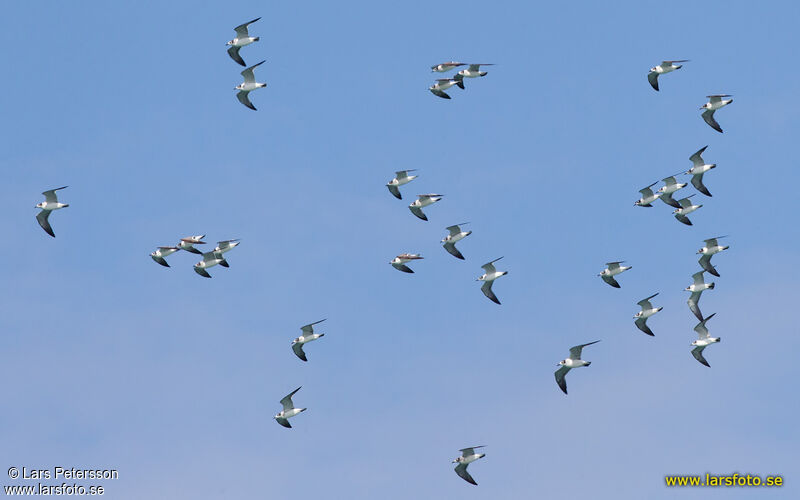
{"x":242,"y":39}
{"x":647,"y":311}
{"x":697,"y":288}
{"x":474,"y":70}
{"x":162,"y":252}
{"x":189,"y":242}
{"x":648,"y":196}
{"x":445,"y":67}
{"x":686,"y":208}
{"x":49,"y":204}
{"x":612,"y":269}
{"x":671,"y":185}
{"x":308,"y":336}
{"x":490,"y":274}
{"x":401,"y":260}
{"x":704,"y":339}
{"x":401,"y":178}
{"x":573,"y":361}
{"x":442,"y":84}
{"x":288,"y":410}
{"x":714,"y":103}
{"x":468,"y":456}
{"x":456,"y":235}
{"x":248,"y":85}
{"x":423,"y":200}
{"x":210,"y":259}
{"x":663,"y":68}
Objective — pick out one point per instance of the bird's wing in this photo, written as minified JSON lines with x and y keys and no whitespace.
{"x":669,"y":200}
{"x":645,"y":303}
{"x":641,"y":324}
{"x":614,"y":265}
{"x":248,"y":75}
{"x":693,"y":302}
{"x":647,"y":192}
{"x":652,"y":77}
{"x":697,"y":159}
{"x":685,"y":202}
{"x":440,"y":93}
{"x":674,"y":61}
{"x":284,"y":422}
{"x":202,"y":272}
{"x":575,"y":351}
{"x":610,"y":280}
{"x":705,"y":263}
{"x":461,"y":470}
{"x":234,"y":53}
{"x":452,"y":250}
{"x":708,"y":116}
{"x":468,"y":452}
{"x":241,"y":30}
{"x":43,"y":217}
{"x":489,"y":266}
{"x":242,"y":95}
{"x":309,"y":328}
{"x":712,"y":242}
{"x":683,"y":219}
{"x":287,"y":400}
{"x":160,"y":260}
{"x":403,"y":267}
{"x":701,"y":329}
{"x":561,"y":373}
{"x":697,"y":352}
{"x":698,"y":278}
{"x":298,"y":349}
{"x":454,"y":229}
{"x":50,"y":194}
{"x":486,"y":288}
{"x":418,"y":212}
{"x":395,"y":191}
{"x":697,"y":182}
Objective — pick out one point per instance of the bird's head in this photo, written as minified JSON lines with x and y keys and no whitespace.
{"x":706,"y":106}
{"x":638,"y":314}
{"x":40,"y":205}
{"x":239,"y":87}
{"x":562,"y":362}
{"x":703,"y":250}
{"x":653,"y":69}
{"x":231,"y":42}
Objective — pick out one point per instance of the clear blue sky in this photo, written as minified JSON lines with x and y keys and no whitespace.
{"x":111,"y":361}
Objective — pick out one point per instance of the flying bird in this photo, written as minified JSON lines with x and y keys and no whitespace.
{"x":248,"y":85}
{"x":289,"y":410}
{"x":715,"y":102}
{"x":189,"y":242}
{"x":664,"y":67}
{"x":699,"y":167}
{"x":423,"y":200}
{"x":456,"y":235}
{"x":401,"y":260}
{"x":703,"y":340}
{"x":49,"y":204}
{"x":210,"y":259}
{"x":648,"y":197}
{"x":468,"y":456}
{"x":242,"y":39}
{"x":647,"y":311}
{"x":670,"y":186}
{"x":445,"y":67}
{"x":612,"y":269}
{"x":697,"y":288}
{"x":686,"y":208}
{"x":162,"y":252}
{"x":474,"y":70}
{"x":442,"y":84}
{"x":573,"y":361}
{"x":307,"y":336}
{"x":226,"y":246}
{"x":711,"y":247}
{"x":490,"y":274}
{"x":401,"y":177}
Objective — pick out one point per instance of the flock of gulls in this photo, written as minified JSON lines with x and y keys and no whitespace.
{"x":683,"y":207}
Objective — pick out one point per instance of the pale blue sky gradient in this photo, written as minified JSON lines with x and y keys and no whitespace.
{"x":111,"y":361}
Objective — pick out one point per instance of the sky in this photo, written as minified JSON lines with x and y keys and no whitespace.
{"x":113,"y":362}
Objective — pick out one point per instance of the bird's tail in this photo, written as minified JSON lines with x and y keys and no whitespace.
{"x":588,"y":363}
{"x":259,"y":38}
{"x":711,"y":286}
{"x":65,"y":205}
